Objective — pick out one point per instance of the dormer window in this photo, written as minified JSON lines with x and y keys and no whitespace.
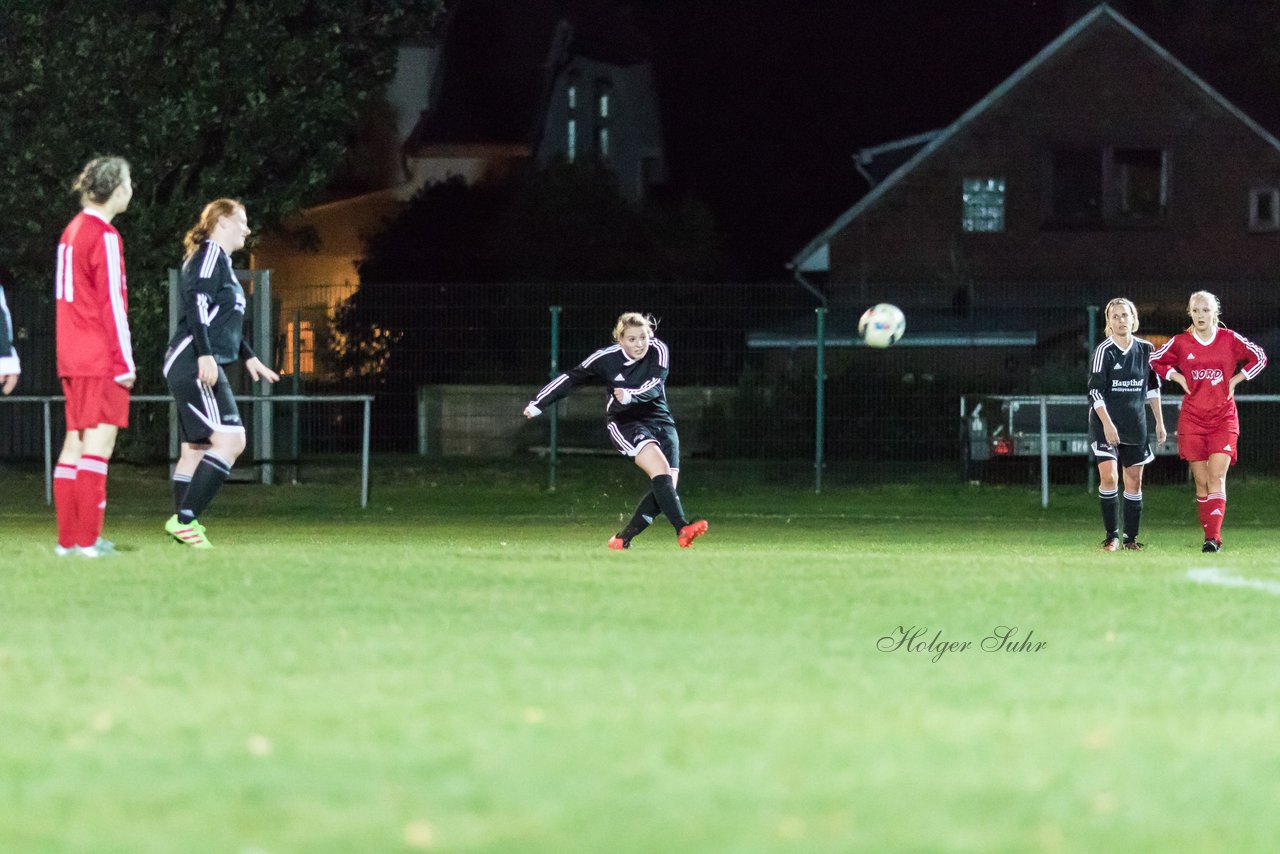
{"x":603,"y":93}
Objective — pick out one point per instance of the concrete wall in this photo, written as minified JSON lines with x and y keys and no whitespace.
{"x":486,"y":420}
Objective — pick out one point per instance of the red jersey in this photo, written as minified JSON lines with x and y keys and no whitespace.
{"x":93,"y":302}
{"x":1208,"y":369}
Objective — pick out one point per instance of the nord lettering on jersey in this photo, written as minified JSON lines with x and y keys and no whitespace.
{"x":1214,"y":375}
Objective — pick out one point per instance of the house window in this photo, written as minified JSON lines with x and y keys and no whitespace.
{"x":1264,"y":209}
{"x":1139,"y":175}
{"x":650,"y":175}
{"x":983,"y":204}
{"x":1096,"y":187}
{"x":304,"y":334}
{"x":602,"y":94}
{"x":573,"y":97}
{"x":1077,"y":185}
{"x":571,"y":141}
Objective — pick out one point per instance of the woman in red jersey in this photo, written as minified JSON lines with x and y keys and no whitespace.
{"x":1209,"y":361}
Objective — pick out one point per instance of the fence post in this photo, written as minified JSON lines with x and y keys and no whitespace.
{"x":1044,"y":451}
{"x":820,"y":372}
{"x":1091,"y":470}
{"x":553,"y":456}
{"x":364,"y":452}
{"x":296,"y":345}
{"x":263,"y":337}
{"x":175,"y":311}
{"x":48,"y":453}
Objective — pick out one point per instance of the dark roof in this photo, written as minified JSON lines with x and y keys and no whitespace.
{"x":500,"y":57}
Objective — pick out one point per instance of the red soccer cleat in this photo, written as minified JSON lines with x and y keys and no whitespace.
{"x":618,"y":544}
{"x":691,"y":532}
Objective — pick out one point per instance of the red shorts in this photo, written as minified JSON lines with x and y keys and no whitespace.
{"x":1198,"y":446}
{"x":95,"y":400}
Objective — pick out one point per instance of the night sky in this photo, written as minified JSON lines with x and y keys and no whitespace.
{"x":765,"y":102}
{"x":763,"y":109}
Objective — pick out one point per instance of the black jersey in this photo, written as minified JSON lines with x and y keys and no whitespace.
{"x":1122,"y":380}
{"x":212,"y":307}
{"x":643,"y":379}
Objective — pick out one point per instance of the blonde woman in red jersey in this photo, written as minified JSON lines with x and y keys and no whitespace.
{"x":1209,"y":361}
{"x":95,"y":353}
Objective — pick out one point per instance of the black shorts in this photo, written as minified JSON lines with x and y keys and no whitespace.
{"x":202,"y":411}
{"x":630,"y":436}
{"x":1126,"y":455}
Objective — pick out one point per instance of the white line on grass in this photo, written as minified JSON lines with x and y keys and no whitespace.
{"x":1211,"y":575}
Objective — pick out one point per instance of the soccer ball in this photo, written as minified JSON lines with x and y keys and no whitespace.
{"x":882,"y":325}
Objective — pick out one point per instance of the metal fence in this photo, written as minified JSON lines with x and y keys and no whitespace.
{"x":759,"y":372}
{"x":152,"y":423}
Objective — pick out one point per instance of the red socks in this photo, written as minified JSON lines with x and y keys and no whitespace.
{"x":64,"y":503}
{"x":90,"y":499}
{"x":1212,"y":509}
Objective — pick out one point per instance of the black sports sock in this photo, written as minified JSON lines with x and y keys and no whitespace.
{"x":181,"y":482}
{"x":1110,"y":512}
{"x":205,"y":483}
{"x":1132,"y":515}
{"x":646,"y":512}
{"x":664,"y":492}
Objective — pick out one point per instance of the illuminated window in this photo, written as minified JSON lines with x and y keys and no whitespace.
{"x":983,"y":204}
{"x":573,"y":97}
{"x":604,"y":105}
{"x":571,"y":141}
{"x":305,"y":336}
{"x":602,"y":143}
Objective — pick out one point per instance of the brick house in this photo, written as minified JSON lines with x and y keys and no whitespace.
{"x":1102,"y":166}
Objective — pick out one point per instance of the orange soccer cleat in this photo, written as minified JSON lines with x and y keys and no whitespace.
{"x":691,"y":532}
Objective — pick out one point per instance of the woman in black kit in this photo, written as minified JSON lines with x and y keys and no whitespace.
{"x":1121,"y":381}
{"x":637,"y":419}
{"x":210,"y":334}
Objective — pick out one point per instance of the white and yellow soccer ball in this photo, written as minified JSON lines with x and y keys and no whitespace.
{"x":882,"y":325}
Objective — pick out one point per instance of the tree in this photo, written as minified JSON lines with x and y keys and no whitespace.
{"x":205,"y":99}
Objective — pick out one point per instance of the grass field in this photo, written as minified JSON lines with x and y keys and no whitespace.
{"x":464,"y":667}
